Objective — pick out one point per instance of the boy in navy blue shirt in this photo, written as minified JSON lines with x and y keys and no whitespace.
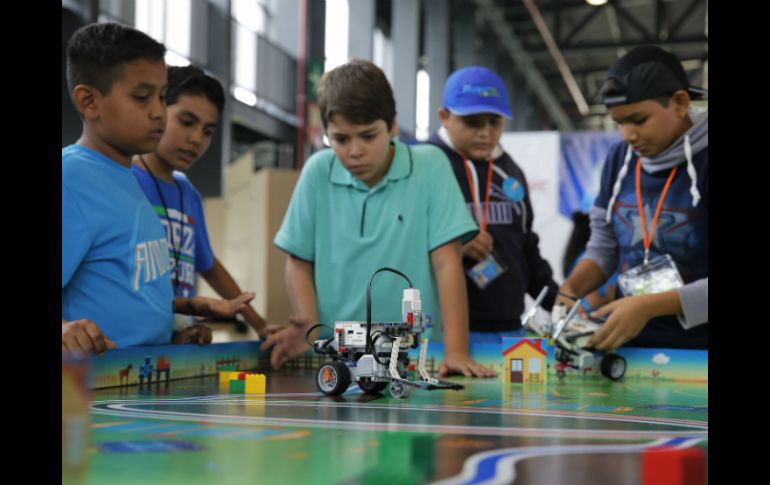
{"x":651,"y":214}
{"x":503,"y":261}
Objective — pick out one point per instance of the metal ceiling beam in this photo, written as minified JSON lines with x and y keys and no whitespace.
{"x":608,"y":44}
{"x":614,"y":25}
{"x":577,"y":72}
{"x":569,"y":79}
{"x":660,"y":18}
{"x":581,"y":25}
{"x":631,"y":20}
{"x":491,"y":13}
{"x":683,"y":18}
{"x":547,"y":6}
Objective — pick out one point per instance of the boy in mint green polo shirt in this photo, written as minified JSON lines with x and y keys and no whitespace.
{"x":371,"y":201}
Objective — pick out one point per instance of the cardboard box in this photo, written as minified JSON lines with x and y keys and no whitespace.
{"x":254,"y":206}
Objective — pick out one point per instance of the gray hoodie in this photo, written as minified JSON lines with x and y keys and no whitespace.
{"x":603,"y":248}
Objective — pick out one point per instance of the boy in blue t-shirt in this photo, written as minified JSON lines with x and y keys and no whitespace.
{"x":116,"y":286}
{"x":195,"y":101}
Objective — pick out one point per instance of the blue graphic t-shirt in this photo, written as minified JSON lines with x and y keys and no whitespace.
{"x":185,"y":227}
{"x":681,"y":231}
{"x":115,"y":260}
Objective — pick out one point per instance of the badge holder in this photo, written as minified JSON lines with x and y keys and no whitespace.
{"x":485,"y":272}
{"x":657,"y":276}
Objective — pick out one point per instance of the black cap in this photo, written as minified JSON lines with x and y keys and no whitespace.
{"x":646,"y":72}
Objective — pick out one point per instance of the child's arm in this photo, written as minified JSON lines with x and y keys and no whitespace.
{"x":82,"y":337}
{"x":224,"y":284}
{"x":211,"y":307}
{"x":291,"y":342}
{"x":447,"y":268}
{"x":585,"y":278}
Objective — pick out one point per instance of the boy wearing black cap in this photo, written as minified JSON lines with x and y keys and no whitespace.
{"x":651,"y":214}
{"x":503,"y":261}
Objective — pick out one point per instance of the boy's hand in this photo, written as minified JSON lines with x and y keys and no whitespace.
{"x":564,"y":297}
{"x":479,"y":247}
{"x":457,"y":363}
{"x":211,"y":307}
{"x":83,"y":337}
{"x":287,"y":343}
{"x":627,"y":317}
{"x":197,"y":333}
{"x":271,"y":329}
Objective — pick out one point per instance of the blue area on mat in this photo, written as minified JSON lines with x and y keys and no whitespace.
{"x":671,"y":407}
{"x":146,"y":446}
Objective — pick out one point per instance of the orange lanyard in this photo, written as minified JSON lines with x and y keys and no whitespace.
{"x":482,"y":222}
{"x":647,"y":238}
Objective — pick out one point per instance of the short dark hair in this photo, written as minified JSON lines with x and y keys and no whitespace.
{"x":193,"y":80}
{"x":358,"y":91}
{"x":97,"y":52}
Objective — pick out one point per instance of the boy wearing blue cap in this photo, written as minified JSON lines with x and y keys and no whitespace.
{"x":650,"y":218}
{"x":503,"y":261}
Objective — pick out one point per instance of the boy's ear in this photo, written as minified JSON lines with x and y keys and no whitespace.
{"x":443,"y":115}
{"x":681,"y":102}
{"x":394,"y":127}
{"x":86,"y":100}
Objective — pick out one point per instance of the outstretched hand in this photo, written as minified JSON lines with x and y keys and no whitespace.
{"x":457,"y":363}
{"x":287,"y":343}
{"x":212,"y":307}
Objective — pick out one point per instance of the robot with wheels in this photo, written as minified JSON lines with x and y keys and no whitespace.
{"x":375,"y":354}
{"x":571,"y":336}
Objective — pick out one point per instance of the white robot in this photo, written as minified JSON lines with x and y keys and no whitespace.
{"x":374,"y":354}
{"x":571,"y":337}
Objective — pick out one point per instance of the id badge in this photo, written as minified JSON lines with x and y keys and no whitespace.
{"x":657,"y":276}
{"x":485,"y":272}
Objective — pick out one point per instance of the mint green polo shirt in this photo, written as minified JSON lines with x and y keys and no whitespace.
{"x":348,"y":231}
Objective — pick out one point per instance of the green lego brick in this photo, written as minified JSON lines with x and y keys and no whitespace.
{"x":237,"y":387}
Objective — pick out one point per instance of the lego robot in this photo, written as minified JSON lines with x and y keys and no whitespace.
{"x":571,"y":336}
{"x":375,"y":354}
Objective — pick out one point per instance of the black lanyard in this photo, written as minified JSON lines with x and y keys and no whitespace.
{"x":176,"y":248}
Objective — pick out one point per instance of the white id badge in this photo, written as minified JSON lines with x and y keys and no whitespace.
{"x":485,"y":272}
{"x":657,"y":276}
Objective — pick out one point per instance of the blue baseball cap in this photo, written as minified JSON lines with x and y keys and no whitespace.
{"x":474,"y":90}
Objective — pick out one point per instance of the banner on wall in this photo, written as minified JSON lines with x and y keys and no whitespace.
{"x":583,"y":155}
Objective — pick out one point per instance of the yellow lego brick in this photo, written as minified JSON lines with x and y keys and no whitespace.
{"x":226,"y":376}
{"x":255,"y":384}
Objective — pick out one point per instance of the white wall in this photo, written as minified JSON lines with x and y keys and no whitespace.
{"x":538,"y":153}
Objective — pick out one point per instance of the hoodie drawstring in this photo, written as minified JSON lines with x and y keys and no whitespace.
{"x":691,"y":171}
{"x":694,"y":192}
{"x":616,"y":187}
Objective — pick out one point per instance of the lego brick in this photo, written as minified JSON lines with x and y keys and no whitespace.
{"x":674,"y":467}
{"x":255,"y":384}
{"x":237,"y":387}
{"x":226,"y":376}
